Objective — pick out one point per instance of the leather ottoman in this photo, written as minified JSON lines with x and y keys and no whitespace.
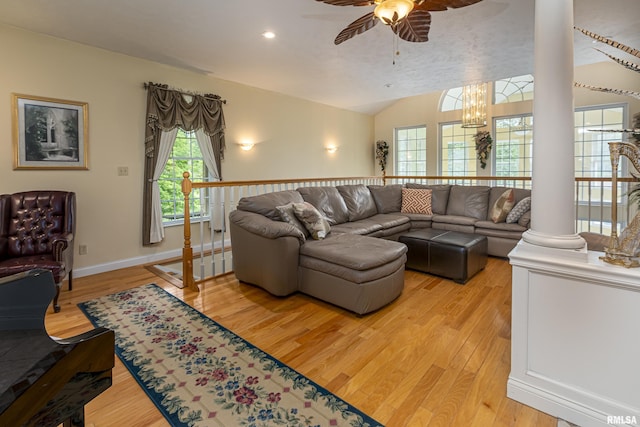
{"x":451,"y":254}
{"x":359,"y":273}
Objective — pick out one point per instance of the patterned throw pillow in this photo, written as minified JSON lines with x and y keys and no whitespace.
{"x":518,"y":210}
{"x":287,"y":214}
{"x":416,"y":201}
{"x":503,"y":206}
{"x":312,"y":219}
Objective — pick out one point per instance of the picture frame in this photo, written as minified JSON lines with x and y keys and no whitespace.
{"x":49,"y":133}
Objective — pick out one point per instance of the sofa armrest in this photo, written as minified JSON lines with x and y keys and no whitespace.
{"x":268,"y":262}
{"x":263,"y":226}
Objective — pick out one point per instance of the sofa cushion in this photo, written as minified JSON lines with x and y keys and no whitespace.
{"x":355,"y":252}
{"x":518,"y":210}
{"x":388,"y":198}
{"x":375,"y":226}
{"x":312,"y":219}
{"x":417,"y":201}
{"x":469,"y":200}
{"x":287,"y":214}
{"x":359,"y":201}
{"x":265,"y":204}
{"x":439,"y":196}
{"x":502,"y":226}
{"x":362,"y":227}
{"x":501,"y":208}
{"x":454,"y":219}
{"x":328,"y":201}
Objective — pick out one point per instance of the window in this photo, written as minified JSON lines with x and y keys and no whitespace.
{"x":592,"y":151}
{"x":513,"y":146}
{"x":452,"y":100}
{"x":458,"y":150}
{"x":185,"y":156}
{"x":513,"y":89}
{"x":411,"y":150}
{"x":592,"y":160}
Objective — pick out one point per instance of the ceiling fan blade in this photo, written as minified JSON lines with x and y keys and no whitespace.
{"x":441,"y":5}
{"x":415,"y":27}
{"x":348,"y":2}
{"x":358,"y":26}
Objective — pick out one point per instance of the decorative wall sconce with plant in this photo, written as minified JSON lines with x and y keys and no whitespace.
{"x":483,"y":146}
{"x":382,"y":152}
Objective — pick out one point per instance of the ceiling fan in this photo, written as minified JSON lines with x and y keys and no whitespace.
{"x":409,"y":19}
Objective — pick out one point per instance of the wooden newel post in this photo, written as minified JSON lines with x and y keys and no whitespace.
{"x":187,"y":251}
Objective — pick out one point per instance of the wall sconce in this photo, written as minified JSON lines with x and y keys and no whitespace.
{"x":331,"y":149}
{"x":246,"y":144}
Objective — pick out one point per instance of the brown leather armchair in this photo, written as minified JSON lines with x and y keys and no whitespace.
{"x":36,"y":231}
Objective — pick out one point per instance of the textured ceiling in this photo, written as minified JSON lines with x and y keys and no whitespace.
{"x":486,"y":41}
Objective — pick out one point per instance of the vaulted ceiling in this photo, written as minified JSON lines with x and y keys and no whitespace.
{"x":486,"y":41}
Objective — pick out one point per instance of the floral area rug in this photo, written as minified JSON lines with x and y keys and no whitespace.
{"x":199,"y":373}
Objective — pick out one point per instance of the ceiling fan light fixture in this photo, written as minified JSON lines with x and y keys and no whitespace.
{"x":391,"y":12}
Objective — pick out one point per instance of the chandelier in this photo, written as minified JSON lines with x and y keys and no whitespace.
{"x":474,"y":105}
{"x":392,"y":11}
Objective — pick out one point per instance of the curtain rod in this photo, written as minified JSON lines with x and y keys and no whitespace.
{"x":184,"y":92}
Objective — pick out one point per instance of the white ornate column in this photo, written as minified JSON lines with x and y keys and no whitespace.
{"x":553,"y":187}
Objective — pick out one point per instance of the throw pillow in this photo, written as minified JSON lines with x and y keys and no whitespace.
{"x":503,"y":206}
{"x":287,"y":214}
{"x":518,"y":210}
{"x":416,"y":201}
{"x":312,"y":219}
{"x":525,"y":220}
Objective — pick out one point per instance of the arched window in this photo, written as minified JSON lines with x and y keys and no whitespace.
{"x":451,"y":99}
{"x":514,"y":89}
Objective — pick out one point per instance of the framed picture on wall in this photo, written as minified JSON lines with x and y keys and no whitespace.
{"x":49,"y":133}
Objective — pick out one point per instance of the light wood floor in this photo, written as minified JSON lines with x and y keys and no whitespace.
{"x":437,"y":356}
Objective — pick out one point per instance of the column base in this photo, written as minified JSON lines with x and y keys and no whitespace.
{"x":568,"y":241}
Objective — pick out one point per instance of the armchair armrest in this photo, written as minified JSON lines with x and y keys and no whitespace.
{"x":59,"y":244}
{"x":62,"y":248}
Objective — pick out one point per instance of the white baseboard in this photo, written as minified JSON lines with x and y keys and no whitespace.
{"x":131,"y":262}
{"x":553,"y":404}
{"x":124,"y":263}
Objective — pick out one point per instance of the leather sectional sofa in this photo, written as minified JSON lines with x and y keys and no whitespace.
{"x":361,"y":249}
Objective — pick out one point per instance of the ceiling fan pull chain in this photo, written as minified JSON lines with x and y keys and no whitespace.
{"x":395,"y":49}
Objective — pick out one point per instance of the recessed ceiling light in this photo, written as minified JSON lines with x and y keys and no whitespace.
{"x":269,"y":35}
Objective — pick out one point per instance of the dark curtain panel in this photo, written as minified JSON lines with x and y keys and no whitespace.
{"x":166,"y":110}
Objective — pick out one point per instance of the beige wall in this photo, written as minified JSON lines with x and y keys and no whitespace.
{"x":423,"y":109}
{"x":292,"y":135}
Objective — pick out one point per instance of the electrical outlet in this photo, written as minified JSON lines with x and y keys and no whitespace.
{"x":123,"y":171}
{"x":83,"y":250}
